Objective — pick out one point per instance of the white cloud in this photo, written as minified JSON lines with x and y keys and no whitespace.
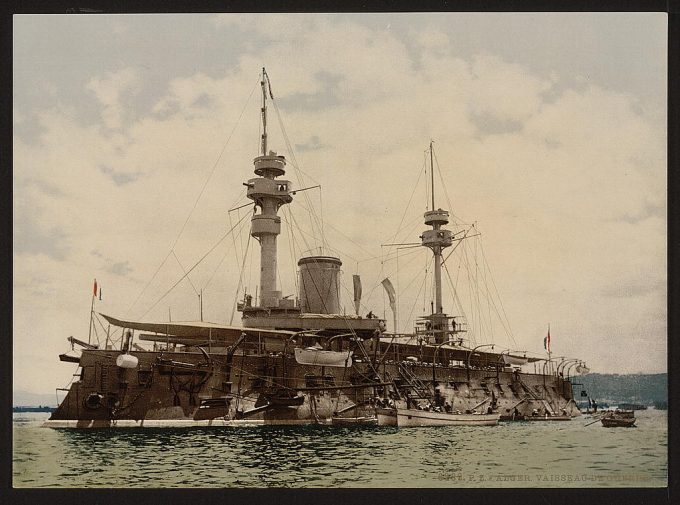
{"x":571,"y":202}
{"x":109,"y":90}
{"x":432,"y":39}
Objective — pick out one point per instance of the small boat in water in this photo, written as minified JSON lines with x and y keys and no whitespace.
{"x":354,"y":421}
{"x":614,"y":422}
{"x":619,"y":419}
{"x":386,"y":416}
{"x":416,"y":417}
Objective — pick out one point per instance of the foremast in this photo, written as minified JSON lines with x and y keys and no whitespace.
{"x":269,"y":194}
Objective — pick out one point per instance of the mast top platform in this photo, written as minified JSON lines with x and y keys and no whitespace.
{"x":270,"y":165}
{"x":436,"y":217}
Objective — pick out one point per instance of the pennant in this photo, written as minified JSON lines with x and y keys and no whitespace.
{"x":390,"y":291}
{"x":392,"y":294}
{"x":356,"y":280}
{"x":95,"y":288}
{"x":100,"y":294}
{"x":546,"y":341}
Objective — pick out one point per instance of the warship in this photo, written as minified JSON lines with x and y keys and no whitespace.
{"x":303,"y":360}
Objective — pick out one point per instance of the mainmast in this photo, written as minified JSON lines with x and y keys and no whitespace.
{"x":437,"y":239}
{"x":269,"y":194}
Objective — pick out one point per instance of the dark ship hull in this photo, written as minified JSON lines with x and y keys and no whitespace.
{"x":256,"y":383}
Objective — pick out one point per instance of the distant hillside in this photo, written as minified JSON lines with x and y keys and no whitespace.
{"x":33,"y":409}
{"x":645,"y":389}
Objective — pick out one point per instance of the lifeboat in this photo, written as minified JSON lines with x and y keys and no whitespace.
{"x":314,"y":356}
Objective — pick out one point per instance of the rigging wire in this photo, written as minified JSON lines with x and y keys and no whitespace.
{"x":504,"y":321}
{"x":339,"y":231}
{"x":240,"y":280}
{"x":485,"y":269}
{"x":314,"y":219}
{"x":441,"y":179}
{"x":457,"y":302}
{"x":408,"y":204}
{"x":485,"y":286}
{"x":205,"y":286}
{"x":233,"y":237}
{"x":479,"y":305}
{"x":382,"y":274}
{"x":190,"y":270}
{"x":181,"y":231}
{"x":332,"y":249}
{"x":291,"y":249}
{"x":415,"y":302}
{"x":427,"y":269}
{"x":466,"y":263}
{"x":302,"y":234}
{"x":185,"y":272}
{"x":243,"y":225}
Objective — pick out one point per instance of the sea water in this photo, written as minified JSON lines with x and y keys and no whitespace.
{"x":513,"y":454}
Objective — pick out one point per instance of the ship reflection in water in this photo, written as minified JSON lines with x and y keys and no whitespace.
{"x":519,"y":454}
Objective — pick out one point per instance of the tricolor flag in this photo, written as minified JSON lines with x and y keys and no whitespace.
{"x":546,"y":341}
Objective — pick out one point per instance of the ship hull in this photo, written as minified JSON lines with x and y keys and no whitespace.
{"x":177,"y":389}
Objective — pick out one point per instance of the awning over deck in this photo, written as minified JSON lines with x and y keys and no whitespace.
{"x":197,"y":330}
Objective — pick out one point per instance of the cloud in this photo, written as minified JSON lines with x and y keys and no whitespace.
{"x":119,"y":177}
{"x":649,"y":210}
{"x":33,"y":232}
{"x":634,"y":288}
{"x":312,"y":145}
{"x":110,"y":90}
{"x":568,"y":192}
{"x":432,"y":40}
{"x":323,"y":98}
{"x":488,"y":124}
{"x":31,"y":238}
{"x":120,"y":268}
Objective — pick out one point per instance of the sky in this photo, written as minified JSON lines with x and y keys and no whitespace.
{"x":133,"y":134}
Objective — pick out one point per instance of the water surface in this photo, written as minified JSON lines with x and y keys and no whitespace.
{"x":526,"y":454}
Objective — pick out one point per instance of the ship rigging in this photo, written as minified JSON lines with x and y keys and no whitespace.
{"x":301,"y":358}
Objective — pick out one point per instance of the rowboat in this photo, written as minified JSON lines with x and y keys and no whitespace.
{"x":386,"y":416}
{"x":354,"y":421}
{"x":415,"y":417}
{"x":619,"y":419}
{"x":618,"y":422}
